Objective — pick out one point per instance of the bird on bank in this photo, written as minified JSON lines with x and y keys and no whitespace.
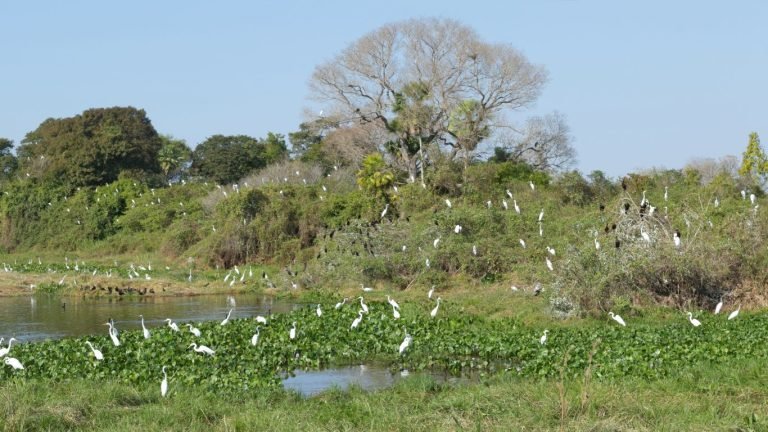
{"x":164,"y":384}
{"x":172,"y":325}
{"x":434,"y":311}
{"x":202,"y":349}
{"x":693,"y":320}
{"x":194,"y":330}
{"x":734,"y":314}
{"x":406,"y":342}
{"x":543,"y":339}
{"x":226,"y":320}
{"x":617,"y":318}
{"x":96,"y":353}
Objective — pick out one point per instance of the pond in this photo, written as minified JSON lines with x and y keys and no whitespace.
{"x":43,"y":316}
{"x":367,"y":377}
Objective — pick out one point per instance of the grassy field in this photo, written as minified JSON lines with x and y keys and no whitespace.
{"x":702,"y":397}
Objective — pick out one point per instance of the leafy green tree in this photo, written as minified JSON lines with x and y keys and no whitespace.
{"x":8,"y":162}
{"x":92,"y":148}
{"x":225,"y":159}
{"x":374,"y":176}
{"x":754,"y":163}
{"x":468,"y":126}
{"x":173,"y":156}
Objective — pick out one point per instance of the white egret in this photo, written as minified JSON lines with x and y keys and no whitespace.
{"x":164,"y":384}
{"x":543,"y":339}
{"x":255,"y":337}
{"x":752,"y":198}
{"x":541,"y":215}
{"x":194,"y":330}
{"x":226,"y":320}
{"x":172,"y":325}
{"x":743,"y":194}
{"x":517,"y":207}
{"x":504,"y":204}
{"x":457,"y":229}
{"x":666,"y":192}
{"x":617,"y":318}
{"x":488,"y":203}
{"x":693,"y":320}
{"x":202,"y":349}
{"x":363,"y":305}
{"x":448,"y":203}
{"x":356,"y":321}
{"x":436,"y":242}
{"x":434,"y":311}
{"x":431,"y":291}
{"x":113,"y":334}
{"x":734,"y":314}
{"x":522,"y":243}
{"x":676,"y":238}
{"x":549,"y":264}
{"x":597,"y":245}
{"x":261,"y":319}
{"x":96,"y":352}
{"x":319,"y":311}
{"x":6,"y":350}
{"x":717,"y":202}
{"x":643,"y":201}
{"x":395,"y":313}
{"x":341,"y":303}
{"x":292,"y":332}
{"x":530,"y":183}
{"x":426,"y":262}
{"x":392,"y":302}
{"x":406,"y":342}
{"x":645,"y":235}
{"x":384,"y":212}
{"x":474,"y":250}
{"x":144,"y":329}
{"x":719,"y":306}
{"x":365,"y":288}
{"x":14,"y":363}
{"x":509,"y":194}
{"x":514,"y":288}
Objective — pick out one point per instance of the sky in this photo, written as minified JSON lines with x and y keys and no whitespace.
{"x":642,"y":84}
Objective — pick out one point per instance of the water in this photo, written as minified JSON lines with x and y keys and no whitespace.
{"x":43,"y":316}
{"x":367,"y":377}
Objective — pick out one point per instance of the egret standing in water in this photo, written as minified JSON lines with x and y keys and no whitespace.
{"x":406,"y":343}
{"x":6,"y":350}
{"x":144,"y":329}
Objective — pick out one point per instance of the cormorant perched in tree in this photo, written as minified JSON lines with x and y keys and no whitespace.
{"x":624,"y":184}
{"x":626,"y":207}
{"x":618,"y":243}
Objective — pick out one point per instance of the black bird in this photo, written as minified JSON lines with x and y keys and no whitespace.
{"x":613,"y":227}
{"x":624,"y":184}
{"x":618,"y":243}
{"x":607,"y":228}
{"x":626,"y":207}
{"x":602,"y":207}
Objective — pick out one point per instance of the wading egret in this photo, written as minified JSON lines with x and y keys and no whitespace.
{"x":676,"y":238}
{"x":356,"y":321}
{"x":734,"y":314}
{"x":164,"y":384}
{"x":194,"y":330}
{"x":226,"y":320}
{"x":172,"y":325}
{"x":693,"y":320}
{"x":365,"y":288}
{"x":517,"y":207}
{"x":6,"y":350}
{"x":96,"y":352}
{"x":384,"y":212}
{"x":319,"y":311}
{"x":530,"y":183}
{"x":14,"y":363}
{"x":363,"y":305}
{"x":474,"y":250}
{"x":341,"y":303}
{"x":392,"y":302}
{"x":261,"y":319}
{"x":522,"y":243}
{"x":541,"y":215}
{"x":436,"y":242}
{"x":395,"y":313}
{"x":617,"y":318}
{"x":543,"y":339}
{"x":255,"y":337}
{"x":292,"y":333}
{"x":202,"y":349}
{"x":448,"y":203}
{"x":144,"y":329}
{"x":509,"y":194}
{"x":597,"y":245}
{"x":719,"y":306}
{"x":549,"y":264}
{"x":430,"y":292}
{"x":434,"y":311}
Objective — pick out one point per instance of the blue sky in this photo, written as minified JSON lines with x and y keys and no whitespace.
{"x":643,"y":84}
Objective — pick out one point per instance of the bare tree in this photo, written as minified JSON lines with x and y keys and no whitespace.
{"x":544,"y":143}
{"x":369,"y":82}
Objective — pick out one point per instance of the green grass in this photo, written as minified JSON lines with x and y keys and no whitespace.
{"x":704,"y":397}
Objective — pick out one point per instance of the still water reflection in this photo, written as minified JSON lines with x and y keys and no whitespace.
{"x":42,"y":317}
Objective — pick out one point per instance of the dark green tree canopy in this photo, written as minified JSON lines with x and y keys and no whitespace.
{"x":225,"y":159}
{"x":8,"y":162}
{"x":92,"y":148}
